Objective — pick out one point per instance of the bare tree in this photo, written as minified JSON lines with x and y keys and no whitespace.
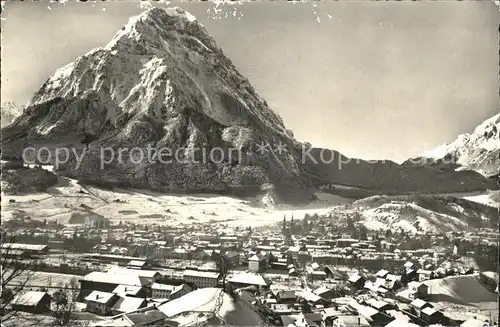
{"x":74,"y":286}
{"x":15,"y":275}
{"x":64,"y":307}
{"x":222,"y":266}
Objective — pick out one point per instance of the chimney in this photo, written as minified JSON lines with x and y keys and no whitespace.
{"x":97,"y":297}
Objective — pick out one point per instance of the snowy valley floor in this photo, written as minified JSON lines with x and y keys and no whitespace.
{"x":70,"y":203}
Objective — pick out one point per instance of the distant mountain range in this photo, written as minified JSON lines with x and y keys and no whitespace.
{"x":478,"y":151}
{"x":163,"y":82}
{"x":10,"y":110}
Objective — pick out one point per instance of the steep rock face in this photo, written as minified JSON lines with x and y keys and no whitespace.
{"x":478,"y":151}
{"x":162,"y":83}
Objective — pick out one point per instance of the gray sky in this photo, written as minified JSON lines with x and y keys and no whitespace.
{"x":376,"y":80}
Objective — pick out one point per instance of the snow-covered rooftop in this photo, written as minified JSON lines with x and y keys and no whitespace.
{"x":210,"y":300}
{"x":198,"y":273}
{"x":249,"y":279}
{"x":23,"y":246}
{"x":137,"y":263}
{"x":366,"y":311}
{"x":137,"y":272}
{"x":127,"y":289}
{"x":129,"y":304}
{"x":100,"y":297}
{"x":118,"y":279}
{"x":31,"y":298}
{"x":400,"y":323}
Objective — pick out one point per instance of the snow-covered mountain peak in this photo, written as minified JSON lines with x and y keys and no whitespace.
{"x":156,"y":48}
{"x":442,"y":150}
{"x":145,"y":26}
{"x":10,"y":110}
{"x":479,"y":150}
{"x":162,"y":81}
{"x":154,"y":27}
{"x":487,"y":135}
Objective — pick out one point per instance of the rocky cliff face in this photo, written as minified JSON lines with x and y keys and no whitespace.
{"x":478,"y":151}
{"x":160,"y":83}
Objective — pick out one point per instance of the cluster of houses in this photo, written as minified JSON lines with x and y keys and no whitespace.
{"x":293,"y":281}
{"x":381,"y":299}
{"x":200,"y":241}
{"x":331,"y":298}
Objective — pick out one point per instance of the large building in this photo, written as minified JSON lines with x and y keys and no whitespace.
{"x":164,"y":291}
{"x":256,"y":263}
{"x":107,"y":282}
{"x":202,"y":278}
{"x":26,"y":251}
{"x":149,"y":275}
{"x":161,"y":291}
{"x":101,"y":303}
{"x":249,"y":279}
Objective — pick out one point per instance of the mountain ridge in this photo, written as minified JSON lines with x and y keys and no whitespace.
{"x":478,"y":151}
{"x":387,"y":177}
{"x":425,"y":213}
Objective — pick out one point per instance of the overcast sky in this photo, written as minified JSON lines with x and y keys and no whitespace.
{"x":370,"y":79}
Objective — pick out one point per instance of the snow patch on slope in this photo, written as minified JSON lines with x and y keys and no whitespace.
{"x":411,"y":218}
{"x":442,"y":150}
{"x":490,"y":198}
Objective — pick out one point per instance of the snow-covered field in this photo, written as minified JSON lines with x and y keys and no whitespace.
{"x":146,"y":207}
{"x":490,"y":198}
{"x":466,"y":289}
{"x":463,"y":297}
{"x":67,"y":200}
